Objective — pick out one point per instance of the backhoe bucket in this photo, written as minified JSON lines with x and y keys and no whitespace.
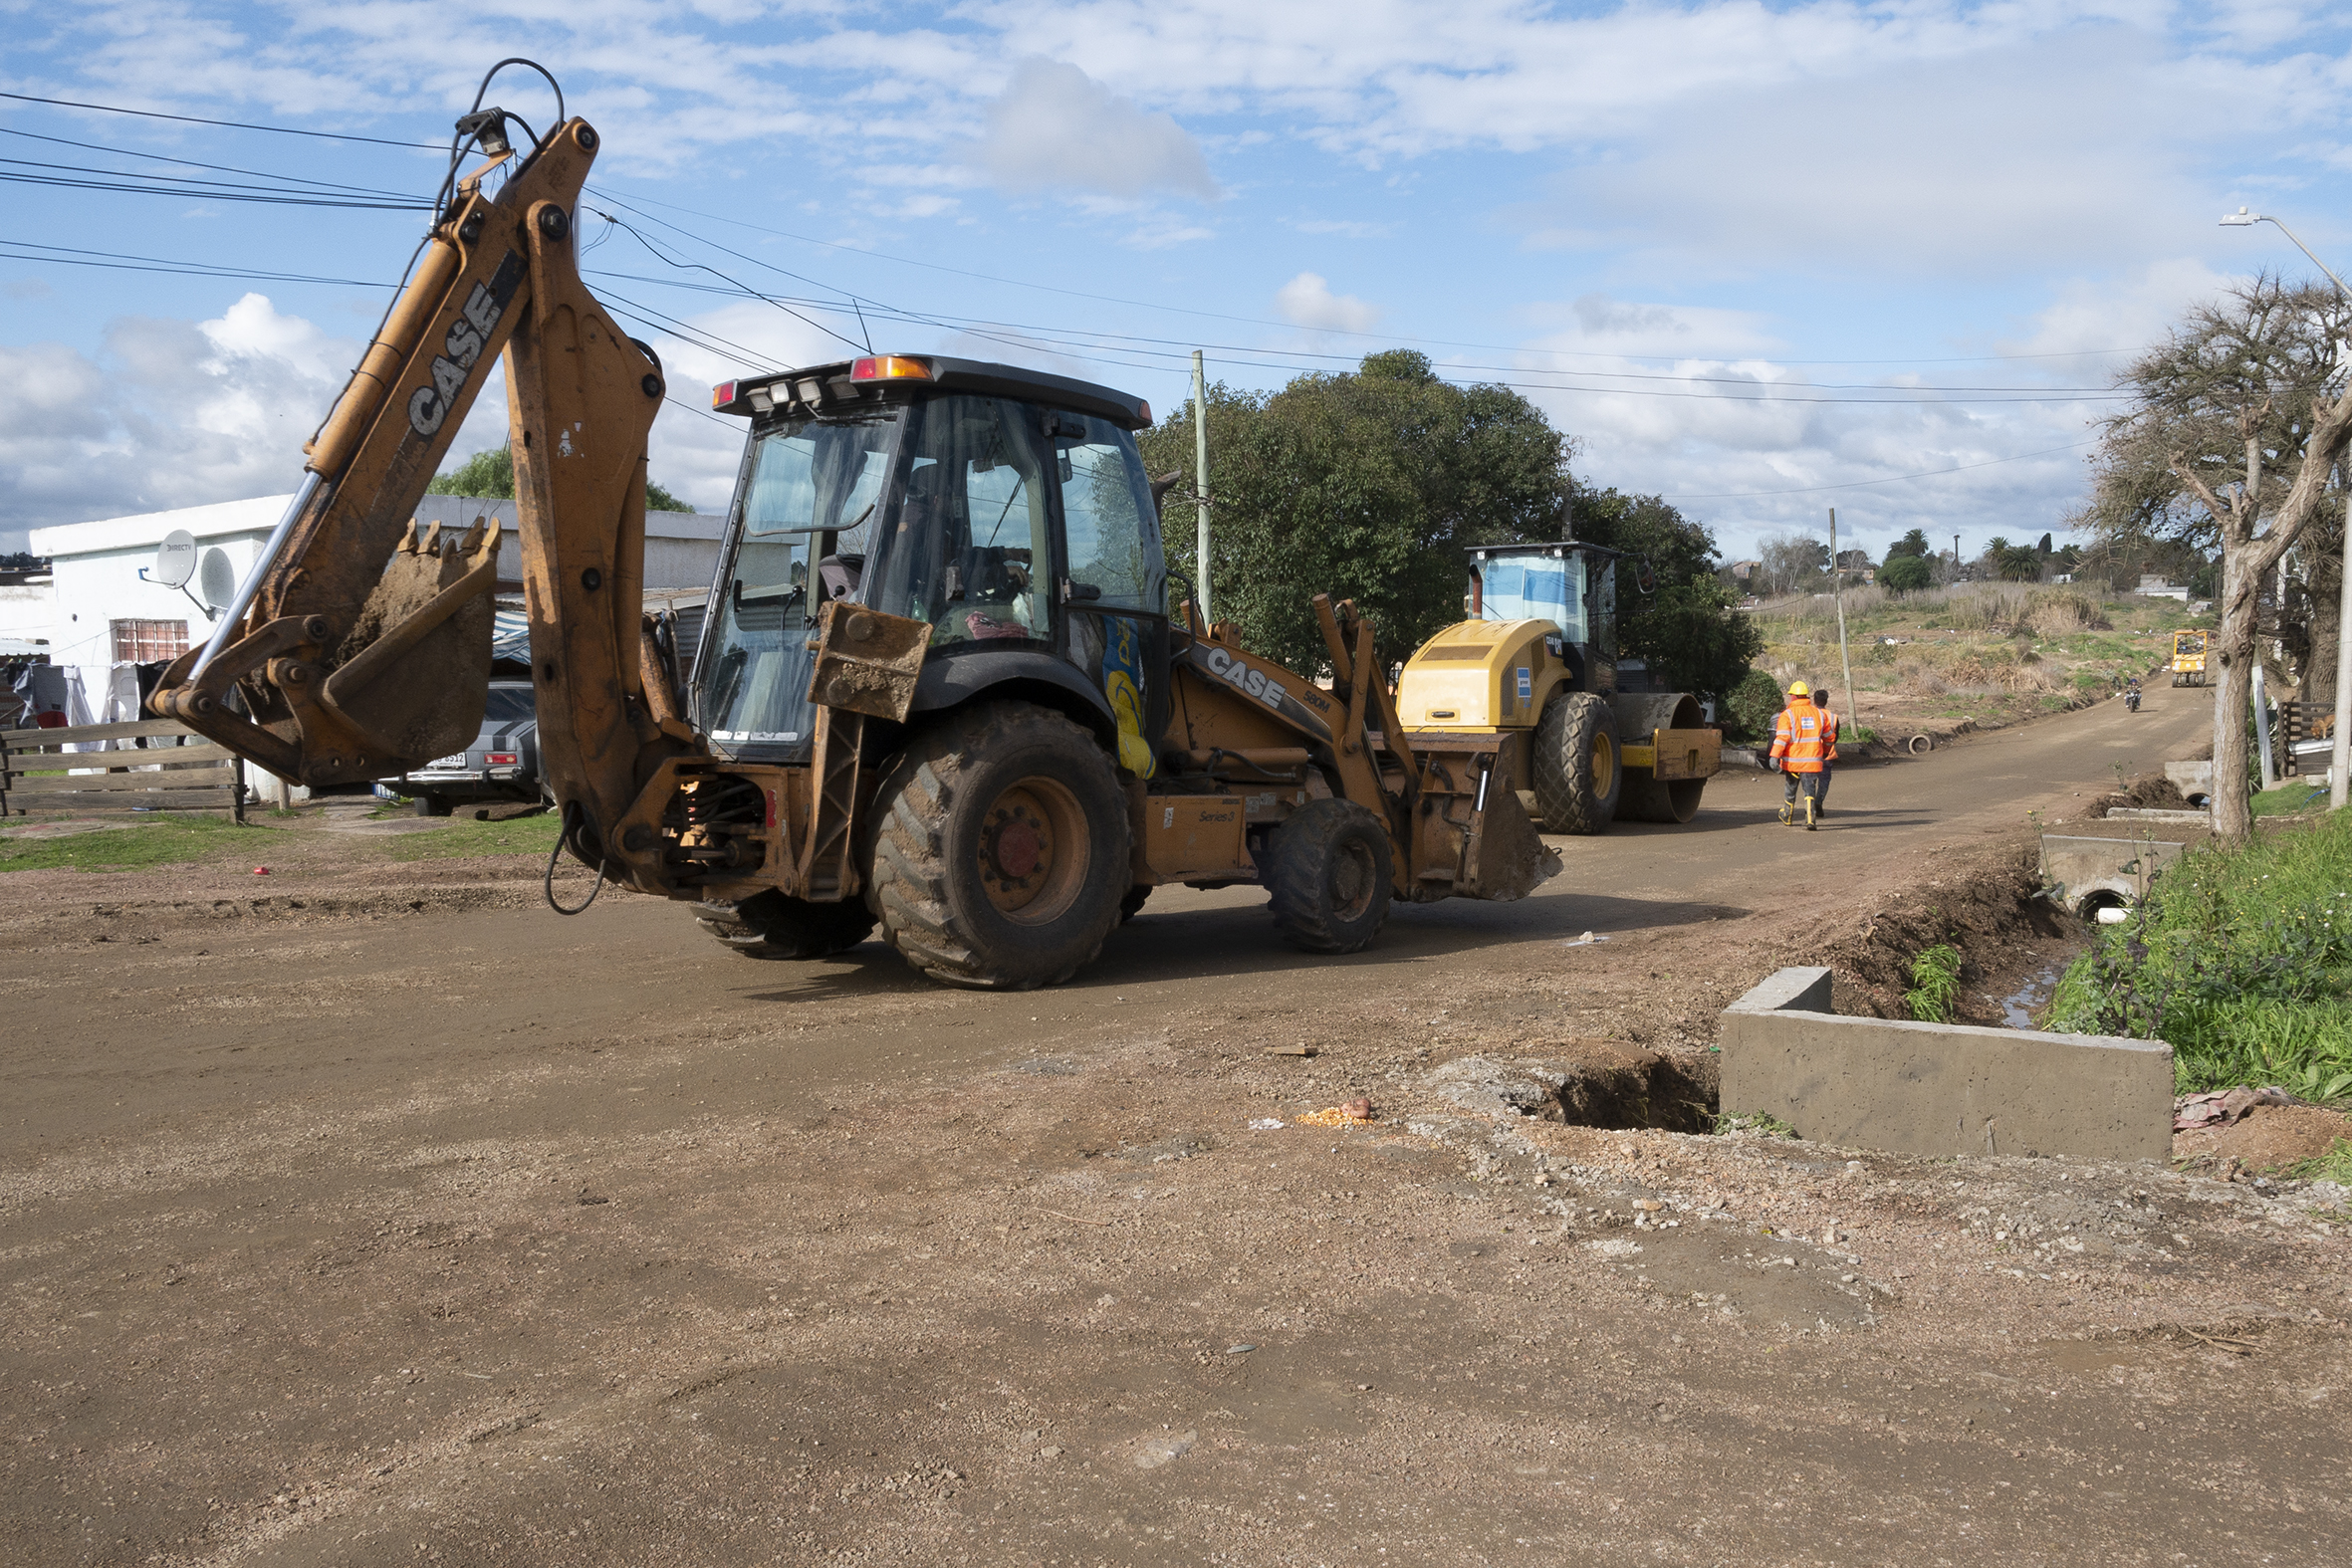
{"x":1504,"y":859}
{"x":415,"y":669}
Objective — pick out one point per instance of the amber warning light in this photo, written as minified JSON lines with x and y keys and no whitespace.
{"x":723,"y":394}
{"x":890,"y":367}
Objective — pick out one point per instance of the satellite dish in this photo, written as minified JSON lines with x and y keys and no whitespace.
{"x":176,"y":559}
{"x":217,"y":582}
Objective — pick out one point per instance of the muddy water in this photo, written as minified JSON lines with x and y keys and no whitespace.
{"x":2027,"y":1007}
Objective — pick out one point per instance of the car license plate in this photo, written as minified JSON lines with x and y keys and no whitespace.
{"x":457,"y":761}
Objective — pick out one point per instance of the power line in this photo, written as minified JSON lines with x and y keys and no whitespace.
{"x":187,"y":188}
{"x":233,"y":124}
{"x":1891,"y":479}
{"x":1772,"y":392}
{"x":1016,"y":282}
{"x":1258,"y":320}
{"x":218,"y":168}
{"x":119,"y":261}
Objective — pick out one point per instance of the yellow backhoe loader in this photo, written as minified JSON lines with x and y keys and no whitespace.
{"x":1531,"y":678}
{"x":939,"y":685}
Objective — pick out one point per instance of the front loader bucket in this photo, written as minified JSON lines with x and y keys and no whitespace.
{"x":1504,"y":858}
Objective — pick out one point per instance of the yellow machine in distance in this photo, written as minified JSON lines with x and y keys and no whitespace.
{"x":2188,"y":658}
{"x":1533,"y":675}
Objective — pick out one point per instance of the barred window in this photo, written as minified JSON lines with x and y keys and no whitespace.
{"x":145,"y":641}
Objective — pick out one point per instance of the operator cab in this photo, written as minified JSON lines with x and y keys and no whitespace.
{"x":1006,"y":507}
{"x":1571,"y":585}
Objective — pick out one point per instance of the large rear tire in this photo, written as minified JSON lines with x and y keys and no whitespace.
{"x":1329,"y":872}
{"x":1000,"y":859}
{"x":771,"y":924}
{"x":1578,"y":774}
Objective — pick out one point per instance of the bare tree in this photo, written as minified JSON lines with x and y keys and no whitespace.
{"x":1793,"y":560}
{"x":2234,"y":442}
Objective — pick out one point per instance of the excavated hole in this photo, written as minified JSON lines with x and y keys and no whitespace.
{"x":1603,"y":1084}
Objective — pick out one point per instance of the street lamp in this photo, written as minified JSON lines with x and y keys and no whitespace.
{"x":2339,"y":761}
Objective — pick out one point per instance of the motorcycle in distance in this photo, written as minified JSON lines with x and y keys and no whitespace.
{"x":2131,"y":698}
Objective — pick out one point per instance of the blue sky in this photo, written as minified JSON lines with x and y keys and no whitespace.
{"x":1762,"y":259}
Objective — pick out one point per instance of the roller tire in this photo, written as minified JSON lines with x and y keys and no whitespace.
{"x":771,"y":924}
{"x":933,"y":815}
{"x":1572,"y":802}
{"x":1648,"y":800}
{"x":1331,"y":873}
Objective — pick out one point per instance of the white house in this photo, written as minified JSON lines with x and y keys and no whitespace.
{"x":104,"y":614}
{"x":102,"y":619}
{"x":27,"y":606}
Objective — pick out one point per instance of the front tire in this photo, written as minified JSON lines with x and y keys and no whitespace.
{"x":1330,"y":873}
{"x":771,"y":925}
{"x":432,"y":806}
{"x":1002,"y":856}
{"x":1578,"y":774}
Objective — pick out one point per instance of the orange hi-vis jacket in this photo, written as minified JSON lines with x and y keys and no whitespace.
{"x":1828,"y":730}
{"x":1802,"y":739}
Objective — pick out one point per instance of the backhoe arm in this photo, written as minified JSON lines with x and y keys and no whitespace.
{"x":360,"y":643}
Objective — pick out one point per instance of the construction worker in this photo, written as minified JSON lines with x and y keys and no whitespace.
{"x":1799,"y":747}
{"x":1829,"y":750}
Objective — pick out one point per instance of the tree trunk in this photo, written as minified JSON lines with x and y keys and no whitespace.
{"x":2323,"y":550}
{"x":2233,"y":693}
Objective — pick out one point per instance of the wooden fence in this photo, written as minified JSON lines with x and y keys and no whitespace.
{"x":167,"y":768}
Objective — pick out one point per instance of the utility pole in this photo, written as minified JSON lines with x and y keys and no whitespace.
{"x":1837,"y":586}
{"x":1200,"y":479}
{"x":1956,"y":558}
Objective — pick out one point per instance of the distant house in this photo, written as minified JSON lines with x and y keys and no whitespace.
{"x":104,"y":617}
{"x":2152,"y":586}
{"x":1746,"y":571}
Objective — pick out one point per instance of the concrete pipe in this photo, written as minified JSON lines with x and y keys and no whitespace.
{"x":1921,"y":745}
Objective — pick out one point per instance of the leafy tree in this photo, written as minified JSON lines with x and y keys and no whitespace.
{"x":1906,"y":574}
{"x":490,"y":474}
{"x":1688,"y":625}
{"x":2017,"y":564}
{"x":1366,"y":485}
{"x":2235,"y":438}
{"x":1913,"y":544}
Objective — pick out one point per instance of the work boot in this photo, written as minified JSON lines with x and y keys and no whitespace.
{"x":1811,"y":811}
{"x":1787,"y":818}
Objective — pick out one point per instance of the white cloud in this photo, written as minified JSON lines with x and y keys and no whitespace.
{"x":174,"y":413}
{"x":2098,"y":318}
{"x":1307,"y":300}
{"x":1055,"y":128}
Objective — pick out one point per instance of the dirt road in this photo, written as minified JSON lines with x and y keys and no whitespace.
{"x":357,"y":1233}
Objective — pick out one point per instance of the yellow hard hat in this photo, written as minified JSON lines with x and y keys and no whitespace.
{"x":1799,"y":689}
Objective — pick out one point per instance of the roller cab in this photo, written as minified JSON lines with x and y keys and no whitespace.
{"x":1531,"y":676}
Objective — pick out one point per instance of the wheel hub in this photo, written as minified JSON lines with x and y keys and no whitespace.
{"x":1031,"y":849}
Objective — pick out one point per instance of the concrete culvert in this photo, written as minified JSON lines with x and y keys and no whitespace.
{"x":1605,"y":1084}
{"x":1921,"y":745}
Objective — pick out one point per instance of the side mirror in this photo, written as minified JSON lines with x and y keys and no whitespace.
{"x":1162,"y":485}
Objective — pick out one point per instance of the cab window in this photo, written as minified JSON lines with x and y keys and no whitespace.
{"x":971,"y":549}
{"x":1107,"y":518}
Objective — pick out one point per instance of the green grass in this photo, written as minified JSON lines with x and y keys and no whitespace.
{"x":2241,"y":958}
{"x":1935,"y":975}
{"x":167,"y":839}
{"x":2333,"y":1166}
{"x":518,"y":836}
{"x":2288,"y":798}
